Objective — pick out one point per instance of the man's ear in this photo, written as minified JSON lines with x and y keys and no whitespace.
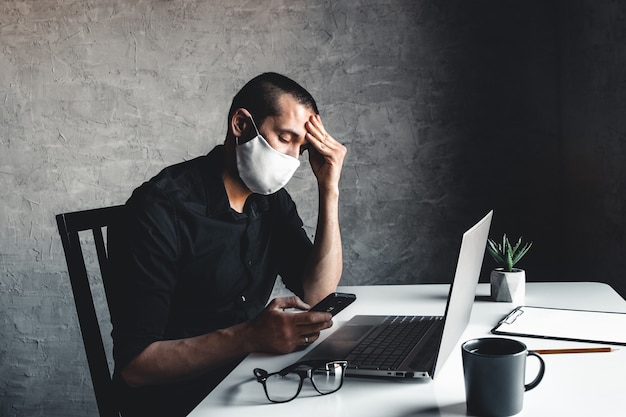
{"x":240,"y":122}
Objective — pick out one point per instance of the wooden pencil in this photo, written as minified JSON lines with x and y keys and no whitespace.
{"x":574,"y":350}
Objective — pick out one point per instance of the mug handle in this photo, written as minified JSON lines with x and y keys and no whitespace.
{"x":539,"y":377}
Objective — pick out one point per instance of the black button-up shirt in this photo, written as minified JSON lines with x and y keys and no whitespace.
{"x":185,"y":263}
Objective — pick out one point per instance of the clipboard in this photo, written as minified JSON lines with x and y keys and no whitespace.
{"x":562,"y":324}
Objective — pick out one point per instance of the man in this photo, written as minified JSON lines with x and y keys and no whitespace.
{"x":202,"y":243}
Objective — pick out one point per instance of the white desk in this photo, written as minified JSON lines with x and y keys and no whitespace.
{"x":590,"y":384}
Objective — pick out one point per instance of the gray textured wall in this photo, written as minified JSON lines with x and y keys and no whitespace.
{"x":593,"y":88}
{"x":448,"y":109}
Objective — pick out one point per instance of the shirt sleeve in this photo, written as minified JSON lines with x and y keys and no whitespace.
{"x":295,"y":246}
{"x":144,"y":252}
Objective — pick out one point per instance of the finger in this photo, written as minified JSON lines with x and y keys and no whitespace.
{"x":315,"y":123}
{"x":289,"y":302}
{"x":320,"y":135}
{"x":317,"y":132}
{"x":307,"y":339}
{"x":323,"y":146}
{"x":313,"y":321}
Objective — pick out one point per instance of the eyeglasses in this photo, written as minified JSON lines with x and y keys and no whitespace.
{"x":285,"y":385}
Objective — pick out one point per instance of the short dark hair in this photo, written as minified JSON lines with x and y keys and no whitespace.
{"x":260,"y":96}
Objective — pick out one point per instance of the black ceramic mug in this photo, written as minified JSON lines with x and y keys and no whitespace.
{"x":495,"y":369}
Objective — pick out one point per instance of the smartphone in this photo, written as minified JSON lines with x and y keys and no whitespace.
{"x":334,"y":302}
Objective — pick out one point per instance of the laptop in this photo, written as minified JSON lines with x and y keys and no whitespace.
{"x":411,"y":346}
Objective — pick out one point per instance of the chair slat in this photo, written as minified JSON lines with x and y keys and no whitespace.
{"x":69,"y":225}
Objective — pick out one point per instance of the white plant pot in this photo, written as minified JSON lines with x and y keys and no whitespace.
{"x":508,"y":287}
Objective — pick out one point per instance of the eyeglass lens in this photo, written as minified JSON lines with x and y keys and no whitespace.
{"x":282,"y":388}
{"x":326,"y":379}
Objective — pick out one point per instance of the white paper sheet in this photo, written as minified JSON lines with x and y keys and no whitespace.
{"x":578,"y":325}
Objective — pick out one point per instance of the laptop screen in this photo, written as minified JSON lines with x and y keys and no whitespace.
{"x":463,"y":288}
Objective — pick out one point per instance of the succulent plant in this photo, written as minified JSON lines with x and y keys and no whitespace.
{"x":505,"y":254}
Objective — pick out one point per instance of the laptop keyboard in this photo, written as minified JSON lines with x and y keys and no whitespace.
{"x":387,"y":349}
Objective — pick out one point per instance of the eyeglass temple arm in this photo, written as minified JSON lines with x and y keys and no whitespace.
{"x":314,"y":363}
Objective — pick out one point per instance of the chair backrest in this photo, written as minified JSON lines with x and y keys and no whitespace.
{"x":70,"y":224}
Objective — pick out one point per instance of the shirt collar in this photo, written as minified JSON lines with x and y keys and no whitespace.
{"x":217,"y":199}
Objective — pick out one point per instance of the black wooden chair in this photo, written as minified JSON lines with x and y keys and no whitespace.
{"x":70,"y":224}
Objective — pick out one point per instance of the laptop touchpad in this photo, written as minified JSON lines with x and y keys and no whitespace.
{"x":350,"y":333}
{"x":340,"y":343}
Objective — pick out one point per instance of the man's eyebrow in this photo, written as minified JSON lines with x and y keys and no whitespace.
{"x":289,"y":132}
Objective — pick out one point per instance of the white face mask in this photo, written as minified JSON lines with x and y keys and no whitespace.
{"x":262,"y":168}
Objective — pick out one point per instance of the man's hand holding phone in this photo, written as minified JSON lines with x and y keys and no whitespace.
{"x":286,"y":325}
{"x":276,"y":330}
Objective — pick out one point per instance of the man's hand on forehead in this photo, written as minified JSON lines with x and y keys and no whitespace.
{"x":328,"y":154}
